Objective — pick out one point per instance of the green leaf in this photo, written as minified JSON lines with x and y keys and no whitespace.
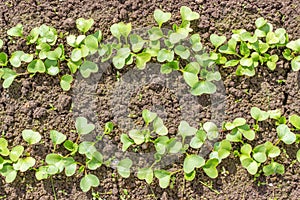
{"x":231,"y":63}
{"x":159,"y":127}
{"x":198,"y":140}
{"x":271,"y":38}
{"x":71,"y":146}
{"x":91,"y":43}
{"x":155,"y":33}
{"x":120,"y":58}
{"x":273,"y":168}
{"x":148,"y":116}
{"x":211,"y":130}
{"x":234,"y":136}
{"x":76,"y":55}
{"x":96,"y":161}
{"x":210,"y":168}
{"x":296,"y":64}
{"x":271,"y":150}
{"x":190,"y":78}
{"x":70,"y":166}
{"x":145,"y":174}
{"x":175,"y":37}
{"x":83,"y":127}
{"x":244,"y":50}
{"x":137,"y":42}
{"x":275,"y":114}
{"x":287,"y":54}
{"x":182,"y":51}
{"x":258,"y":114}
{"x":87,"y":68}
{"x":161,"y":144}
{"x":187,"y":14}
{"x":51,"y":67}
{"x":203,"y":87}
{"x":217,"y":40}
{"x":298,"y":155}
{"x":247,"y":62}
{"x":169,"y":67}
{"x":248,"y":133}
{"x":1,"y":44}
{"x":251,"y":165}
{"x":161,"y":17}
{"x":16,"y":31}
{"x":24,"y":164}
{"x":54,"y":55}
{"x":163,"y":177}
{"x":142,"y":59}
{"x":259,"y":153}
{"x":126,"y":141}
{"x":195,"y":40}
{"x":295,"y":121}
{"x":65,"y":82}
{"x":3,"y":59}
{"x":89,"y":181}
{"x":174,"y":146}
{"x":236,"y":123}
{"x":191,"y":176}
{"x":120,"y":29}
{"x":223,"y":148}
{"x":137,"y":136}
{"x":165,"y":55}
{"x":191,"y":162}
{"x":124,"y":167}
{"x":184,"y":129}
{"x":285,"y":134}
{"x":9,"y":173}
{"x":84,"y":25}
{"x":87,"y":148}
{"x":260,"y":22}
{"x":294,"y":45}
{"x":15,"y":59}
{"x":31,"y":136}
{"x":229,"y":48}
{"x":57,"y":161}
{"x":57,"y":137}
{"x":16,"y":152}
{"x":36,"y":66}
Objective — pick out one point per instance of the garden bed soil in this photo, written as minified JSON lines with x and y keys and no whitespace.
{"x":39,"y":103}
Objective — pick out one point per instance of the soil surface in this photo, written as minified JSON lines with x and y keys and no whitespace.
{"x":39,"y":103}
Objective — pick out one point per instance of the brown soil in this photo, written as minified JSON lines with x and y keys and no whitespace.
{"x":28,"y":102}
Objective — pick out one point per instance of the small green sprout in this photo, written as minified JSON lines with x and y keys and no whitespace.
{"x":124,"y":167}
{"x":161,"y":17}
{"x":84,"y":25}
{"x":30,"y":136}
{"x":16,"y":31}
{"x":89,"y":181}
{"x":65,"y":82}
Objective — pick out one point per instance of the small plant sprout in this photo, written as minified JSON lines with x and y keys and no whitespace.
{"x":30,"y":136}
{"x":238,"y":129}
{"x":57,"y":138}
{"x":65,"y":82}
{"x":285,"y":135}
{"x":16,"y":31}
{"x":84,"y":25}
{"x":89,"y":181}
{"x":161,"y":17}
{"x":123,"y":167}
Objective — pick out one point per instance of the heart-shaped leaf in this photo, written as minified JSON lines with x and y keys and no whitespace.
{"x":142,"y":59}
{"x":296,"y":64}
{"x":9,"y":173}
{"x":36,"y":66}
{"x":294,"y":45}
{"x":124,"y":167}
{"x":184,"y":129}
{"x":83,"y":127}
{"x":165,"y":55}
{"x":187,"y":14}
{"x":31,"y":136}
{"x":89,"y":181}
{"x":161,"y":17}
{"x":191,"y":162}
{"x":65,"y":82}
{"x":258,"y":114}
{"x":273,"y":168}
{"x":210,"y":168}
{"x":203,"y":87}
{"x":217,"y":40}
{"x":24,"y":164}
{"x":211,"y":130}
{"x":83,"y":25}
{"x":145,"y":174}
{"x":126,"y":141}
{"x":285,"y":134}
{"x":16,"y":152}
{"x":57,"y":137}
{"x":87,"y":68}
{"x":163,"y":177}
{"x":295,"y":121}
{"x":16,"y":31}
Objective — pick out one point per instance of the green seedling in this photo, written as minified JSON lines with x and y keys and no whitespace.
{"x":65,"y":82}
{"x":121,"y":29}
{"x":124,"y":167}
{"x":145,"y":174}
{"x":163,"y":177}
{"x":89,"y":181}
{"x":161,"y":17}
{"x":295,"y":121}
{"x":16,"y":31}
{"x":273,"y":168}
{"x":84,"y":25}
{"x":30,"y":136}
{"x":285,"y":135}
{"x":57,"y":138}
{"x":238,"y":129}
